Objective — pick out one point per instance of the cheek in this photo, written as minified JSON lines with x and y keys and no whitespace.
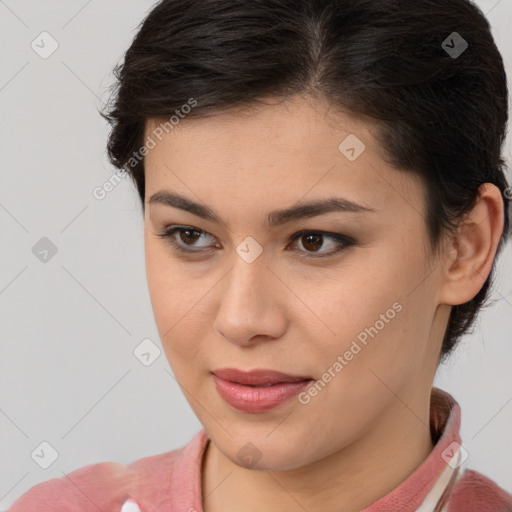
{"x":173,"y":299}
{"x":163,"y":284}
{"x":376,"y":348}
{"x":375,"y":313}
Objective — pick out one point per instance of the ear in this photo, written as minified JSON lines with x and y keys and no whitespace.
{"x":470,"y":252}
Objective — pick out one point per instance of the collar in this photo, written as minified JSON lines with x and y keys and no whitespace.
{"x":428,"y":487}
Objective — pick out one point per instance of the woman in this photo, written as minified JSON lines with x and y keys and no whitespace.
{"x":324,"y":201}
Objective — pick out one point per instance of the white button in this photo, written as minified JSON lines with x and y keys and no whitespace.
{"x":130,"y":506}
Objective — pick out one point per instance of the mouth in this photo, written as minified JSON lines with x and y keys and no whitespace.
{"x":257,"y":391}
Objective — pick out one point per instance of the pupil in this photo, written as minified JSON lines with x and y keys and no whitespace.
{"x":185,"y":233}
{"x":314,"y":237}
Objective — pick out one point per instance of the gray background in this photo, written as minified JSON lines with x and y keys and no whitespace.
{"x":68,"y":327}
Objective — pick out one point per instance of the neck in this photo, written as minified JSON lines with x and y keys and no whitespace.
{"x":349,"y":479}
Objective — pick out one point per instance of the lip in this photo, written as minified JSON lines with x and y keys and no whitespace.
{"x":257,"y":377}
{"x":257,"y":390}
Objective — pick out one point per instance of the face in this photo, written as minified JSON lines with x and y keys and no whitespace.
{"x":351,"y":304}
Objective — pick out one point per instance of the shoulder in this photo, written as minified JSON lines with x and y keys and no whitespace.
{"x":99,"y":486}
{"x":474,"y":492}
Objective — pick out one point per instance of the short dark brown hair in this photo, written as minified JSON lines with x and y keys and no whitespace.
{"x":442,"y":107}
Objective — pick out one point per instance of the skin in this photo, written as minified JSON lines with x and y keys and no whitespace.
{"x":367,"y":430}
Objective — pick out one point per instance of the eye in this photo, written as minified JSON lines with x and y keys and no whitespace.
{"x":187,"y":234}
{"x":312,"y":241}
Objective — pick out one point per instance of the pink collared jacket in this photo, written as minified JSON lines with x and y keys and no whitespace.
{"x":171,"y":481}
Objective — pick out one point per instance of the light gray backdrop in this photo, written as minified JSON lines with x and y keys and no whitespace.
{"x":70,"y":320}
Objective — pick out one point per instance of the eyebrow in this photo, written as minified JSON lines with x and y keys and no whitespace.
{"x":275,"y":218}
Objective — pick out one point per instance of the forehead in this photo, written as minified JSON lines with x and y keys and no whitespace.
{"x":276,"y":153}
{"x":298,"y":123}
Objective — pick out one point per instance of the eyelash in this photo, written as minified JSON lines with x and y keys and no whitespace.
{"x":343,"y":240}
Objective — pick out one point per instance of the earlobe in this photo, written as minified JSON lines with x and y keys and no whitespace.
{"x":470,"y":252}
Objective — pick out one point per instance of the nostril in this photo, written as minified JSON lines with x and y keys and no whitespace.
{"x":130,"y":506}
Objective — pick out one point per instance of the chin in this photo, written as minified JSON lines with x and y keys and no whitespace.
{"x":262,"y":453}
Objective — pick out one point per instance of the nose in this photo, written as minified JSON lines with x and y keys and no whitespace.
{"x":251,"y":304}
